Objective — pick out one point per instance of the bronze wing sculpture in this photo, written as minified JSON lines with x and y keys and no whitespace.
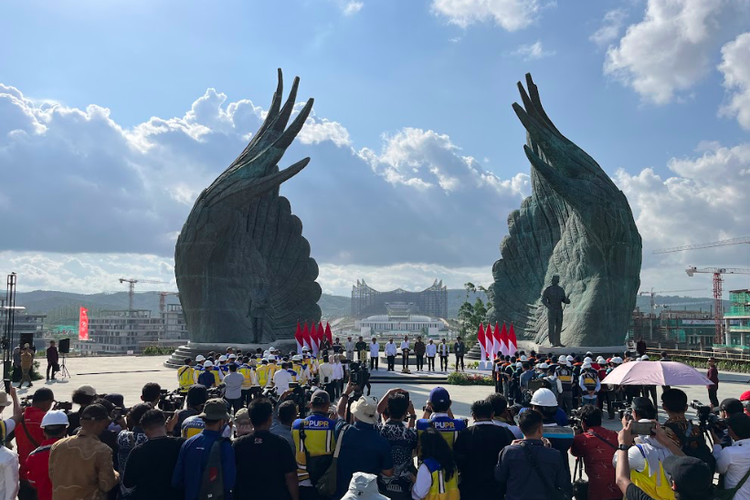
{"x":243,"y":268}
{"x":576,"y":224}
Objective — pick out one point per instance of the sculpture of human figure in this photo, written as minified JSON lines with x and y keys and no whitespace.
{"x":553,"y":298}
{"x":258,"y":304}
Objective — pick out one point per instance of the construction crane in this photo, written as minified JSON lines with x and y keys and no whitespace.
{"x":718,"y":272}
{"x":652,"y":294}
{"x":744,"y":240}
{"x":131,"y":287}
{"x":163,"y":300}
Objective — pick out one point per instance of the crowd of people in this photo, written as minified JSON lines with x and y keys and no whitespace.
{"x":291,"y":427}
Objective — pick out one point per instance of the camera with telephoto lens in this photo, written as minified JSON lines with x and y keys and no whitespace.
{"x":359,"y":376}
{"x":707,"y":417}
{"x":574,"y":419}
{"x":65,"y":406}
{"x":301,"y":395}
{"x":272,"y":394}
{"x":171,"y":401}
{"x":624,"y":410}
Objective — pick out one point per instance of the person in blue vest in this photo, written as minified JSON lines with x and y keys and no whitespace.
{"x":438,"y":415}
{"x":206,"y":466}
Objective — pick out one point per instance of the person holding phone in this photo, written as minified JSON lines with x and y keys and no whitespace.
{"x":646,"y":457}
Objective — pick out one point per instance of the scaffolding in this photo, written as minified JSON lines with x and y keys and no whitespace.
{"x":740,"y":303}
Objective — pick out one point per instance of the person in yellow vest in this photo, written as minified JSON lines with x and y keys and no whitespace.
{"x":437,"y":476}
{"x":261,"y":373}
{"x":646,"y":457}
{"x":186,"y":376}
{"x":303,"y":375}
{"x":251,"y":380}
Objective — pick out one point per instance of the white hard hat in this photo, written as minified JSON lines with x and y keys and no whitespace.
{"x":542,"y":366}
{"x":589,"y":353}
{"x":305,"y":349}
{"x":208,"y":364}
{"x":297,"y":357}
{"x":222,"y":358}
{"x":54,"y":417}
{"x":644,"y":357}
{"x":543,"y":397}
{"x":524,"y":358}
{"x":562,"y":359}
{"x":519,"y":364}
{"x":586,"y":364}
{"x":616,"y":360}
{"x":570,"y":358}
{"x":587,"y":359}
{"x":200,"y":358}
{"x":601,"y":360}
{"x":232,"y":356}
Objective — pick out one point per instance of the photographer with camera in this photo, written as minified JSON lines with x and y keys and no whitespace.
{"x":502,"y":416}
{"x":402,"y":439}
{"x":594,"y":445}
{"x":689,"y":437}
{"x":681,"y":478}
{"x":197,"y":395}
{"x":733,"y":462}
{"x":438,"y":414}
{"x":652,"y":446}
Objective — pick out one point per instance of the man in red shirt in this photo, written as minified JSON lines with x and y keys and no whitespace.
{"x":29,"y":434}
{"x":596,"y":445}
{"x":55,"y":425}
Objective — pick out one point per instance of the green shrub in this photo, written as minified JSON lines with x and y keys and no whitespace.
{"x":153,"y":350}
{"x":457,"y":378}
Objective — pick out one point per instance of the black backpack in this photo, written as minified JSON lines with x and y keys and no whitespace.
{"x":694,"y":445}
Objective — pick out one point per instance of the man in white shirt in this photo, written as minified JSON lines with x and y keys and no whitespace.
{"x":374,"y":354}
{"x":338,"y":375}
{"x":349,"y":349}
{"x":282,"y":378}
{"x":430,"y":351}
{"x":733,"y":462}
{"x":390,"y":353}
{"x":444,"y":349}
{"x":405,"y":353}
{"x":325,"y":376}
{"x":233,"y":390}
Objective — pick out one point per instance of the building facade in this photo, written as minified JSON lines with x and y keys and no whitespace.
{"x":366,"y":301}
{"x":121,"y":332}
{"x":174,"y":323}
{"x":30,"y":324}
{"x":737,"y":318}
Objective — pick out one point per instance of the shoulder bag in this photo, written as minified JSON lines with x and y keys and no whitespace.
{"x":326,"y":485}
{"x":731,"y":492}
{"x":554,"y":492}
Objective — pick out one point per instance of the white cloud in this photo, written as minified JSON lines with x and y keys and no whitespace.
{"x":705,"y":199}
{"x":352,"y":7}
{"x":611,"y":27}
{"x":533,"y":51}
{"x":735,"y":66}
{"x":669,"y":50}
{"x":511,"y":15}
{"x":424,"y":159}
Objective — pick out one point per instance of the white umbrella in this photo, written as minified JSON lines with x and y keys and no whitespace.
{"x":655,"y":373}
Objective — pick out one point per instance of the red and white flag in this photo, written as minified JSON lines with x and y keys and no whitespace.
{"x":512,"y":341}
{"x":314,"y":339}
{"x":481,"y":339}
{"x":299,"y":338}
{"x":329,"y":334}
{"x":504,"y":341}
{"x":83,"y":324}
{"x":496,"y":343}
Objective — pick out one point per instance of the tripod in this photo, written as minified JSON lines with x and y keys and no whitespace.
{"x":64,"y":373}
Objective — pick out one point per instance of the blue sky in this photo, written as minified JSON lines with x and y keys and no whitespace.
{"x":407,"y":94}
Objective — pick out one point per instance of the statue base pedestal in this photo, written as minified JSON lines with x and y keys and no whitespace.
{"x":193,"y":349}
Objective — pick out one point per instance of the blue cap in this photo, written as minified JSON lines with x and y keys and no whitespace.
{"x":439,"y":395}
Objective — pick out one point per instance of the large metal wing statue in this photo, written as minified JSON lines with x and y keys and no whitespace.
{"x":243,"y":268}
{"x":576,"y":224}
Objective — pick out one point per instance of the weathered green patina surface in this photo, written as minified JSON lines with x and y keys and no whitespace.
{"x":576,"y":224}
{"x":243,"y":268}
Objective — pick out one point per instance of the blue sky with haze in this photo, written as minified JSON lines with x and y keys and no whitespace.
{"x":109,"y":127}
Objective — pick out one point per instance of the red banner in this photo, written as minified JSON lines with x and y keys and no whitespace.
{"x":329,"y":334}
{"x":83,"y":324}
